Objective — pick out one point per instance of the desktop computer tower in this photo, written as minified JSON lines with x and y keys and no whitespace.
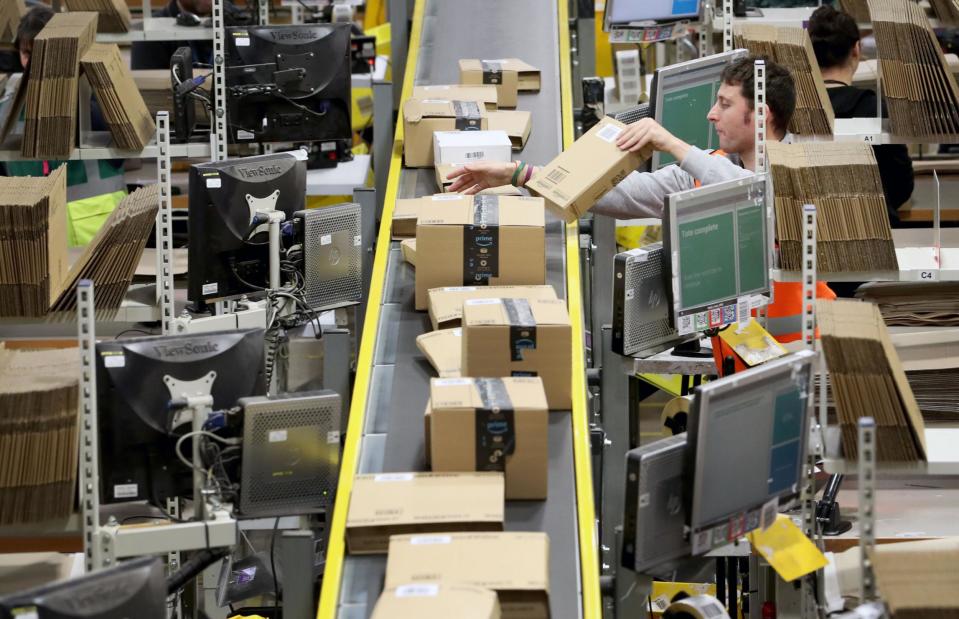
{"x":333,"y":255}
{"x":641,"y":310}
{"x":655,"y":518}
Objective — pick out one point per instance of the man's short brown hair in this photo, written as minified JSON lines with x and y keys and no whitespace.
{"x":780,"y":88}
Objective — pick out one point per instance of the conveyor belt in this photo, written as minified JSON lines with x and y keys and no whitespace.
{"x":393,"y":376}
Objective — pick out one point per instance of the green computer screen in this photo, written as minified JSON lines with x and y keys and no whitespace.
{"x":752,"y":249}
{"x":707,"y":257}
{"x":684,"y":115}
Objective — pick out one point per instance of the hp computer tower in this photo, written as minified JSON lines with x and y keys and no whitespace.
{"x":333,"y":255}
{"x":642,"y":322}
{"x":291,"y":453}
{"x":653,"y":527}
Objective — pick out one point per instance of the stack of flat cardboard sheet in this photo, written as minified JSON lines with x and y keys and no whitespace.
{"x":915,"y":304}
{"x":38,"y":434}
{"x":859,"y":9}
{"x":792,"y":48}
{"x":919,"y":89}
{"x":842,"y":180}
{"x":111,"y":258}
{"x":33,"y":242}
{"x":122,"y":105}
{"x":868,"y":380}
{"x":946,"y":11}
{"x":10,"y":13}
{"x":918,"y":579}
{"x":52,"y":90}
{"x":114,"y":14}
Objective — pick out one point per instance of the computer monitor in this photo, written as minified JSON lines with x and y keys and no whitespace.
{"x":717,"y":244}
{"x":289,"y":83}
{"x":135,"y":588}
{"x":746,"y":447}
{"x":629,"y":13}
{"x":138,"y":378}
{"x":681,"y":97}
{"x":228,"y":255}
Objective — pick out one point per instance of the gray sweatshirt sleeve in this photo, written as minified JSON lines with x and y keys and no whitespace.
{"x":642,"y":194}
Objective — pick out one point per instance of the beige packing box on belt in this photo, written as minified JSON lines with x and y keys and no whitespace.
{"x":421,"y":117}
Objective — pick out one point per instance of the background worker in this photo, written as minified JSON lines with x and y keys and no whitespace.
{"x":157,"y":54}
{"x":835,"y":39}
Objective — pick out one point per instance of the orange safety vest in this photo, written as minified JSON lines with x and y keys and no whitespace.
{"x":783,"y":315}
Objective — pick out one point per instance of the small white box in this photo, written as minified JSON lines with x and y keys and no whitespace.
{"x":459,"y":147}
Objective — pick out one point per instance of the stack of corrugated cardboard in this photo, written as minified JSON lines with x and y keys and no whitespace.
{"x":114,"y":14}
{"x":859,"y":9}
{"x":792,"y":48}
{"x":946,"y":11}
{"x":868,"y":379}
{"x":842,"y":180}
{"x":111,"y":258}
{"x":33,"y":242}
{"x":38,"y":434}
{"x":53,"y":91}
{"x":121,"y":103}
{"x":10,"y":13}
{"x":915,"y":304}
{"x":919,"y":89}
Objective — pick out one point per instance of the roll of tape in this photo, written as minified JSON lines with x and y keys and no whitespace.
{"x":677,"y":406}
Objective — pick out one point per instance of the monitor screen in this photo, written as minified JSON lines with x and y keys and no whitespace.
{"x":138,"y":378}
{"x":228,"y":257}
{"x":747,"y":436}
{"x":682,"y":95}
{"x":623,"y":13}
{"x":135,"y":588}
{"x":717,"y":238}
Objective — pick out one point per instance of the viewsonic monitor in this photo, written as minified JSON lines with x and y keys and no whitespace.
{"x":717,"y":246}
{"x":135,"y":588}
{"x":627,"y":13}
{"x":289,"y":83}
{"x":681,"y":97}
{"x":747,"y":440}
{"x":228,"y":254}
{"x":138,"y":378}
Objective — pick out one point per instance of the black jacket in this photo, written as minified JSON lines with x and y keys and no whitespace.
{"x":895,"y":165}
{"x":157,"y":54}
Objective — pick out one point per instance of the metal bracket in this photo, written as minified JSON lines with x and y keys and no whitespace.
{"x":759,"y":107}
{"x":867,"y":505}
{"x":164,"y":227}
{"x":179,"y":389}
{"x":809,"y":277}
{"x":218,"y":135}
{"x":89,"y":454}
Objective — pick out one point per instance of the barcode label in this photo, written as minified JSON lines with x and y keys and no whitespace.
{"x":609,"y":133}
{"x":478,"y":154}
{"x":417,"y":591}
{"x":712,"y":610}
{"x":556,"y":176}
{"x":419,"y":540}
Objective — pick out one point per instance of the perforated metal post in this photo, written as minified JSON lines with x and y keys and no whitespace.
{"x":727,"y":25}
{"x":867,"y":504}
{"x":809,"y":276}
{"x":218,"y":135}
{"x":706,"y":29}
{"x":164,"y":227}
{"x":264,"y":6}
{"x":173,"y":557}
{"x":759,"y":105}
{"x":88,"y":453}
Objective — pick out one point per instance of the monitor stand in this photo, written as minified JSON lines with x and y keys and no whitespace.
{"x":693,"y":349}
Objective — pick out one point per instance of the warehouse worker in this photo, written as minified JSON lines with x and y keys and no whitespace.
{"x":94,"y":188}
{"x":642,"y":194}
{"x":835,"y":39}
{"x":157,"y":54}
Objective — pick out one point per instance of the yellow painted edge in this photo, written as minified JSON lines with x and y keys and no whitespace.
{"x":333,"y":573}
{"x":586,"y":515}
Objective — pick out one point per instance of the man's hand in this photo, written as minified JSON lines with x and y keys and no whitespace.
{"x":648,"y":132}
{"x":475,"y":177}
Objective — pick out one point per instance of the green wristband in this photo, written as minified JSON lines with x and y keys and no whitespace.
{"x":519,"y":166}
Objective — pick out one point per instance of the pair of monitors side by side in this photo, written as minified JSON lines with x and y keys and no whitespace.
{"x":712,"y":266}
{"x":739,"y":464}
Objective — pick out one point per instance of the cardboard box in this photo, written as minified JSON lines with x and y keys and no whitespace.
{"x":480,"y":240}
{"x":582,"y":174}
{"x":461,"y":147}
{"x":444,"y":351}
{"x":408,"y":247}
{"x":446,"y":304}
{"x":492,"y":424}
{"x":406,"y":213}
{"x":434,"y":601}
{"x":397,"y":503}
{"x":114,"y":14}
{"x":124,"y":110}
{"x":422,"y":117}
{"x":458,"y":92}
{"x":520,"y":337}
{"x":515,"y":565}
{"x":493,"y":72}
{"x":516,"y":123}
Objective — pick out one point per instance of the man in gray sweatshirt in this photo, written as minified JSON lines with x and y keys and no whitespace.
{"x":641,"y":194}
